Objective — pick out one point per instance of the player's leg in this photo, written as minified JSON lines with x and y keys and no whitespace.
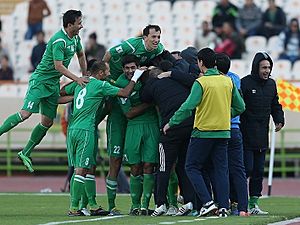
{"x":150,"y":158}
{"x":132,"y":156}
{"x":13,"y":120}
{"x":84,"y":161}
{"x":30,"y":105}
{"x":115,"y":128}
{"x":136,"y":188}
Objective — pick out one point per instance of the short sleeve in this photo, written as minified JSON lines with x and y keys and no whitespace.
{"x":126,"y":47}
{"x":58,"y":47}
{"x":108,"y":90}
{"x":70,"y":88}
{"x":79,"y":45}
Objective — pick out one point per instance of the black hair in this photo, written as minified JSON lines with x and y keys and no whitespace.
{"x":93,"y":36}
{"x":98,"y":66}
{"x":223,"y":62}
{"x":130,"y":59}
{"x":146,"y":30}
{"x":70,"y":16}
{"x":90,"y":63}
{"x":165,"y":65}
{"x":208,"y":57}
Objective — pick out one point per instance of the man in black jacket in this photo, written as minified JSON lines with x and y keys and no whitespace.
{"x":168,"y":95}
{"x":261,"y":99}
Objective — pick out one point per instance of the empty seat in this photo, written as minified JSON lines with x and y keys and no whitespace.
{"x":256,"y":44}
{"x":238,"y":66}
{"x":282,"y":69}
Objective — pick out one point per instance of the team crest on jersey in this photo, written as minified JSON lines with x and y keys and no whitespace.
{"x":71,"y":48}
{"x":144,"y":58}
{"x":119,"y":49}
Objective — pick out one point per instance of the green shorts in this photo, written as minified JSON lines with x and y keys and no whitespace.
{"x":41,"y":98}
{"x":141,"y":143}
{"x":81,"y":148}
{"x":115,"y":132}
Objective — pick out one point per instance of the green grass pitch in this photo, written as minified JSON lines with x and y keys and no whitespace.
{"x":51,"y":209}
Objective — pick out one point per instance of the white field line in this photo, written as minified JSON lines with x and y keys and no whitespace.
{"x":285,"y":222}
{"x":80,"y":221}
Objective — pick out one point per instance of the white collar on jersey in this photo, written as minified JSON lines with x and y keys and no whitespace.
{"x":63,"y":30}
{"x":145,"y":46}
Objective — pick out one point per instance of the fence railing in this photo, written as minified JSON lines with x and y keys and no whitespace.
{"x":54,"y":159}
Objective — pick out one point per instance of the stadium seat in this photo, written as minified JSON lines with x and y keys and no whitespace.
{"x":282,"y":69}
{"x":238,"y":66}
{"x":204,"y":15}
{"x":292,"y":8}
{"x":274,"y":46}
{"x":256,"y":43}
{"x":296,"y":71}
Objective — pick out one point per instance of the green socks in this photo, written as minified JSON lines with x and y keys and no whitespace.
{"x":173,"y":189}
{"x":90,"y":189}
{"x":77,"y":190}
{"x":84,"y":198}
{"x":10,"y":122}
{"x":148,"y":185}
{"x":37,"y":135}
{"x":253,"y":201}
{"x":111,"y":189}
{"x":136,"y":190}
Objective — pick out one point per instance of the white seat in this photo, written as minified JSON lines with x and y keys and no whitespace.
{"x":183,"y":7}
{"x":292,"y":8}
{"x":282,"y":69}
{"x":256,"y":44}
{"x":296,"y":71}
{"x":206,"y":14}
{"x":238,"y":66}
{"x":274,"y":46}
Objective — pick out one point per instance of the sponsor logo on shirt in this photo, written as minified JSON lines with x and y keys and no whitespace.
{"x":144,"y":58}
{"x":71,"y":48}
{"x":119,"y":49}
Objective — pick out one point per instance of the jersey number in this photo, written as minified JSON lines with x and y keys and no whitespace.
{"x":117,"y":149}
{"x":80,"y":99}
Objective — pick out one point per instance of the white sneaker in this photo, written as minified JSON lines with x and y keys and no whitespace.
{"x":184,"y":210}
{"x":172,"y":210}
{"x":223,"y":212}
{"x":180,"y":199}
{"x":207,"y":208}
{"x":257,"y":211}
{"x":159,"y":211}
{"x":85,"y":211}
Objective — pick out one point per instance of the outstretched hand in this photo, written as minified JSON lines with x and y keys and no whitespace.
{"x":82,"y":81}
{"x":278,"y":126}
{"x":164,"y":74}
{"x":166,"y":128}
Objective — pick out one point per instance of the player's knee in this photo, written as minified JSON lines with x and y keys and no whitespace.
{"x":136,"y":170}
{"x":81,"y":171}
{"x":47,"y":122}
{"x":148,"y":168}
{"x":25,"y":114}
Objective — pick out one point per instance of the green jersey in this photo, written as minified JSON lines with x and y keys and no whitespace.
{"x":87,"y":101}
{"x":59,"y":48}
{"x":149,"y":116}
{"x":134,"y":46}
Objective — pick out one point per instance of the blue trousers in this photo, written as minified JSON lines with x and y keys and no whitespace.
{"x":33,"y":29}
{"x":254,"y":164}
{"x":237,"y":175}
{"x":200,"y":151}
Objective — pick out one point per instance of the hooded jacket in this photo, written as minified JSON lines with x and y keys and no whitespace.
{"x":261,"y":101}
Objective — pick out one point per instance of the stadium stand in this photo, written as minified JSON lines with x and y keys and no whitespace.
{"x":115,"y":20}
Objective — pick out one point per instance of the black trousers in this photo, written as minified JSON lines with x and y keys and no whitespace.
{"x":172,"y":149}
